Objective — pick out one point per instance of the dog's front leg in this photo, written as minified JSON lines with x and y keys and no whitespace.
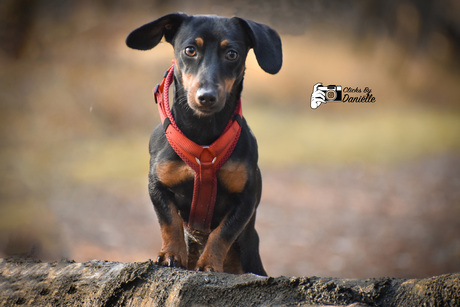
{"x":173,"y":251}
{"x":221,"y":239}
{"x":215,"y":251}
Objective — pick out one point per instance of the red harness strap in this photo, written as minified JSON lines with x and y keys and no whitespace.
{"x":204,"y":160}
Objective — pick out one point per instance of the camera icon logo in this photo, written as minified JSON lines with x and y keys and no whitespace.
{"x":324,"y":94}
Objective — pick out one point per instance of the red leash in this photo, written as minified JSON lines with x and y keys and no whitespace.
{"x":204,"y":160}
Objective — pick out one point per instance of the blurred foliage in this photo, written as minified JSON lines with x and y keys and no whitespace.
{"x":76,"y":108}
{"x":386,"y":138}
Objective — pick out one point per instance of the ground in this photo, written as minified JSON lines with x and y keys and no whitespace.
{"x":101,"y":283}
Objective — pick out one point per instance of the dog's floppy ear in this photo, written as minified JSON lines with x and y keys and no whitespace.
{"x":266,"y":44}
{"x":150,"y":34}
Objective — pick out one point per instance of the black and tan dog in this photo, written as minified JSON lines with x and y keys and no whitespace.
{"x":210,"y":54}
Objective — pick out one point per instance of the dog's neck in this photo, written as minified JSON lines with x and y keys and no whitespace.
{"x":203,"y":130}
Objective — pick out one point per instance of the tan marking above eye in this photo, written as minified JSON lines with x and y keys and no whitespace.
{"x":233,"y":175}
{"x":199,"y":41}
{"x":224,"y":43}
{"x":172,"y":173}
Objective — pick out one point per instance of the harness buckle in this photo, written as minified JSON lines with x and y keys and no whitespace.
{"x":199,"y":162}
{"x":208,"y":153}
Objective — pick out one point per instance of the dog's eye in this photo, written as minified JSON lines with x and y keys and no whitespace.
{"x":231,"y":55}
{"x":190,"y":51}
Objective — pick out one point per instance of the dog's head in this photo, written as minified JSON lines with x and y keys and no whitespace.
{"x":210,"y":54}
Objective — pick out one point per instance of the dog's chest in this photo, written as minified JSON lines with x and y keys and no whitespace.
{"x":232,"y":175}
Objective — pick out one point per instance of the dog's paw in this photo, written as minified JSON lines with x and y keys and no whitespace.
{"x":202,"y":266}
{"x":170,"y":260}
{"x":207,"y":268}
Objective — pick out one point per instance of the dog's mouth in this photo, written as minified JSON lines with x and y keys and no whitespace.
{"x":203,"y":110}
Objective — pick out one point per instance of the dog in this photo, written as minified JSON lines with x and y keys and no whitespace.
{"x":207,"y":209}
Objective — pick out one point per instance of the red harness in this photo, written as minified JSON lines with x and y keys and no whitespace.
{"x":204,"y":160}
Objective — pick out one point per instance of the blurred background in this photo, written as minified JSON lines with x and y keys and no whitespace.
{"x":350,"y":189}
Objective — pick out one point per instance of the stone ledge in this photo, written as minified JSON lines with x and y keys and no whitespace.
{"x":103,"y":283}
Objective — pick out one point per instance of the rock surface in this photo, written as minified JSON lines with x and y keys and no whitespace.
{"x":103,"y":283}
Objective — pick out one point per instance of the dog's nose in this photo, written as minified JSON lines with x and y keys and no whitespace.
{"x":206,"y":97}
